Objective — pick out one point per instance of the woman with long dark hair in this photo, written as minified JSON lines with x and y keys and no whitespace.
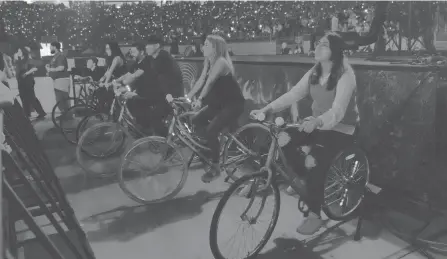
{"x":25,"y":78}
{"x":331,"y":83}
{"x":116,"y":67}
{"x":115,"y":62}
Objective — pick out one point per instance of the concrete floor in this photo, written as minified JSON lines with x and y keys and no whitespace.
{"x":117,"y":227}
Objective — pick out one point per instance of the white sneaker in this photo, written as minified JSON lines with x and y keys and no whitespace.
{"x":310,"y":225}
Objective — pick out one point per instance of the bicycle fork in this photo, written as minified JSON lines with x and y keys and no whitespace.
{"x":253,"y":187}
{"x":344,"y":198}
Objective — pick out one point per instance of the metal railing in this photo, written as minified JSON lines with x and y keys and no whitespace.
{"x":31,"y":189}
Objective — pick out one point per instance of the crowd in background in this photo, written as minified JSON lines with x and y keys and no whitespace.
{"x":85,"y":24}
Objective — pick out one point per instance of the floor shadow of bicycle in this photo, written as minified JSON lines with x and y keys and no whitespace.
{"x":289,"y":248}
{"x":126,"y":223}
{"x":315,"y":247}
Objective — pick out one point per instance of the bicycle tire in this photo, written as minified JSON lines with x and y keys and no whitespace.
{"x":230,"y":141}
{"x":170,"y":195}
{"x":66,"y":132}
{"x":55,"y":107}
{"x":351,"y":212}
{"x":81,"y":126}
{"x":80,"y":151}
{"x":220,"y":206}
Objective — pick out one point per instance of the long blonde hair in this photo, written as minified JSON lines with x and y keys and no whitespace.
{"x":220,"y":49}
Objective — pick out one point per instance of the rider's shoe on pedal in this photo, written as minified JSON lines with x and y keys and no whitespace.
{"x":211,"y":174}
{"x":310,"y":225}
{"x":290,"y":191}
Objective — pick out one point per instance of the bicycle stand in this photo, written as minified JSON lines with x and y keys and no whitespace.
{"x":361,"y":214}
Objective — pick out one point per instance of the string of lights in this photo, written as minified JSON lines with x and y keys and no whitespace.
{"x":83,"y":23}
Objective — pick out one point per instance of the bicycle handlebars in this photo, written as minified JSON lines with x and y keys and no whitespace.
{"x":278,"y":123}
{"x":179,"y":100}
{"x":274,"y":127}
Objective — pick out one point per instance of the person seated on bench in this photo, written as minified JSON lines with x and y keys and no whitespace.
{"x":93,"y":72}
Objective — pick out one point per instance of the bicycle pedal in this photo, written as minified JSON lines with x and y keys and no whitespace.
{"x":228,"y":180}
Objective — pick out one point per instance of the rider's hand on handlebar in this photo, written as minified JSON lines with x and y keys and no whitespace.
{"x":310,"y":124}
{"x":184,"y":99}
{"x":257,"y":115}
{"x":116,"y":84}
{"x":129,"y":95}
{"x":197,"y":105}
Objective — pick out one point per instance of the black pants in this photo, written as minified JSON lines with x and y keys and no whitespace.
{"x":310,"y":156}
{"x":149,"y":116}
{"x":28,"y":97}
{"x":216,"y":119}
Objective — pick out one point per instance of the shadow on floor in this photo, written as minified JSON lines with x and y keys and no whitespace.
{"x":126,"y":223}
{"x":62,"y":154}
{"x":315,"y":247}
{"x":289,"y":248}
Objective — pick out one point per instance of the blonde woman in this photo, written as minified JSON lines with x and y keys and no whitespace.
{"x":220,"y":98}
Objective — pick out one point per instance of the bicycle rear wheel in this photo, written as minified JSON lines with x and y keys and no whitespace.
{"x":54,"y":117}
{"x":345,"y":184}
{"x":152,"y":171}
{"x":71,"y":119}
{"x":250,"y":215}
{"x":99,"y":148}
{"x":237,"y":163}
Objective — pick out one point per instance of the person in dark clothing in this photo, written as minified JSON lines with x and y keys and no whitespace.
{"x":166,"y":69}
{"x":116,"y":66}
{"x":285,"y":50}
{"x":57,"y":69}
{"x":196,"y":52}
{"x":25,"y":79}
{"x":146,"y":101}
{"x":221,"y":96}
{"x":174,"y":46}
{"x":92,"y":71}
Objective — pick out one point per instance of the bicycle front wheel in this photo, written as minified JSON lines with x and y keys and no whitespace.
{"x":89,"y":121}
{"x":152,"y":171}
{"x":99,"y":149}
{"x":71,"y":118}
{"x":246,"y":192}
{"x":237,"y":162}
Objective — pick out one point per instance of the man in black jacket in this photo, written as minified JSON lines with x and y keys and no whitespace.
{"x":166,"y":70}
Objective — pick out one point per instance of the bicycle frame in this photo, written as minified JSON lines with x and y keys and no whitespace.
{"x":84,"y":92}
{"x":276,"y":155}
{"x":125,"y":119}
{"x":185,"y":135}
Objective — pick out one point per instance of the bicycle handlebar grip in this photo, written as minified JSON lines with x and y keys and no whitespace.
{"x":279,"y":121}
{"x":169,"y":98}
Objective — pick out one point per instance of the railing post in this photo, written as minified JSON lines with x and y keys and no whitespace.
{"x":2,"y":139}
